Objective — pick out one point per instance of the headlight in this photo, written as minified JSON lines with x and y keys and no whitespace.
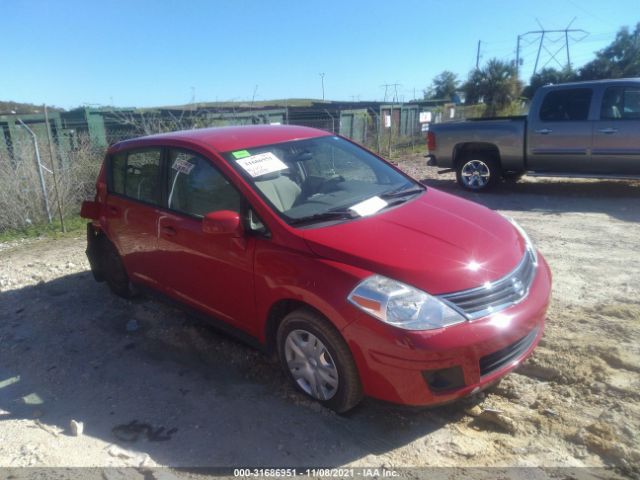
{"x":401,"y":305}
{"x":530,"y":247}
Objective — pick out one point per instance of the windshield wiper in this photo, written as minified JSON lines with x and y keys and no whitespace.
{"x":324,"y":216}
{"x":402,"y":192}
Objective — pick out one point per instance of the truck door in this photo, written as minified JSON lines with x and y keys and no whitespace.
{"x":616,"y":134}
{"x":559,"y":133}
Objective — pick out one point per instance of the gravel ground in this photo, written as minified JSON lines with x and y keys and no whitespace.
{"x":153,"y":386}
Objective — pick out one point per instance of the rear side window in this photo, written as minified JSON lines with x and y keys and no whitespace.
{"x":196,"y":187}
{"x":621,"y":103}
{"x":566,"y":105}
{"x":136,"y":174}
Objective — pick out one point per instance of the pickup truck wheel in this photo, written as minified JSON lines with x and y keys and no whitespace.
{"x":478,"y":173}
{"x":318,"y":361}
{"x":114,"y":271}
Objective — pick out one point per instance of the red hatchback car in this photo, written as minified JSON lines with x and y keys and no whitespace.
{"x":364,"y":281}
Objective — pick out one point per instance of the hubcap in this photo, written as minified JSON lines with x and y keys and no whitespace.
{"x":475,"y":174}
{"x":311,"y":364}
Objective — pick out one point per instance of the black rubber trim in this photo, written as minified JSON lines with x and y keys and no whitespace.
{"x":497,"y":360}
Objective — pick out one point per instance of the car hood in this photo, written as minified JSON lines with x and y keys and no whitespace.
{"x":437,"y":242}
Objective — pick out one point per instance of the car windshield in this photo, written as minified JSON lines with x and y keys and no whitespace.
{"x":322,"y":179}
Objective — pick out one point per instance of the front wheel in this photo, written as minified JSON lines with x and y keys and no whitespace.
{"x":478,"y":173}
{"x":318,"y":361}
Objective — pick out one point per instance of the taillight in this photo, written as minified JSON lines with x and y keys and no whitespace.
{"x":431,"y":141}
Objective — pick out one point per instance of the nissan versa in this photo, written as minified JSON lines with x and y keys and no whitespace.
{"x":364,"y":281}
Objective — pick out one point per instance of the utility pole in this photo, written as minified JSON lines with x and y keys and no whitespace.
{"x":53,"y":169}
{"x":322,"y":80}
{"x":478,"y":55}
{"x":566,"y":39}
{"x":518,"y":58}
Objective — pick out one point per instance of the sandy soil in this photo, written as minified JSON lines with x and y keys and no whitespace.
{"x":156,"y":387}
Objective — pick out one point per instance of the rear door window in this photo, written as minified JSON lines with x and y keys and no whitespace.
{"x":196,"y":187}
{"x":566,"y":105}
{"x":621,"y":103}
{"x":136,"y":174}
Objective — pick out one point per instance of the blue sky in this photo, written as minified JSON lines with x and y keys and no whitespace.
{"x":164,"y":52}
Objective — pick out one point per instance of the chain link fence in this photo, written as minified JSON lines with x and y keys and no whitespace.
{"x":78,"y":152}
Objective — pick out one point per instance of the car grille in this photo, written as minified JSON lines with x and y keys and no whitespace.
{"x":498,"y":295}
{"x":505,"y":356}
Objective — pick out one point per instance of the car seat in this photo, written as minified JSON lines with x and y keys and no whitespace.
{"x":279,"y":189}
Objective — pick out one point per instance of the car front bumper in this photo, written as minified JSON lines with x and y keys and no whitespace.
{"x":439,"y":366}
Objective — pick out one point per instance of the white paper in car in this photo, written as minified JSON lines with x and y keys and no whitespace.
{"x":261,"y":164}
{"x":183,"y":166}
{"x":369,"y":206}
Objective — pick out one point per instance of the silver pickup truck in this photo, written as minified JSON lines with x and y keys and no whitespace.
{"x":581,"y":129}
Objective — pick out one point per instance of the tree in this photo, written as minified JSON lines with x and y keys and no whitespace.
{"x":619,"y":60}
{"x":473,"y":87}
{"x":443,"y":86}
{"x":496,"y":84}
{"x":547,"y":76}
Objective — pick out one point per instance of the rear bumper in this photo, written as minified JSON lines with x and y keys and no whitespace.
{"x":439,"y":366}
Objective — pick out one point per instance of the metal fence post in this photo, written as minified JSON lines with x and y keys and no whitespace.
{"x":53,"y":167}
{"x":42,"y":184}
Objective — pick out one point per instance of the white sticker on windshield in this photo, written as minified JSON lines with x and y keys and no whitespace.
{"x":183,"y":166}
{"x":261,"y":164}
{"x":369,"y":206}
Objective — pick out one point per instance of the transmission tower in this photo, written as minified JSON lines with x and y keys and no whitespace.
{"x":547,"y":43}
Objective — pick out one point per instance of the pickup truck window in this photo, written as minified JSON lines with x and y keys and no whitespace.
{"x":566,"y":105}
{"x":620,"y":103}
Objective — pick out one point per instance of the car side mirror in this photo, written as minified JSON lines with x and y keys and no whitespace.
{"x":222,"y":222}
{"x":90,"y":210}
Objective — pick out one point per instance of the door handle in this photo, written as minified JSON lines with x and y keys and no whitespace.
{"x":114,"y":210}
{"x":608,"y":131}
{"x":544,"y":131}
{"x":169,"y":231}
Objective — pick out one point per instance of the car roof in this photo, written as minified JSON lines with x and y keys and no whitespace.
{"x":224,"y":139}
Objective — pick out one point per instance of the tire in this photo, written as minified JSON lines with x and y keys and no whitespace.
{"x":114,"y":272}
{"x":318,"y":361}
{"x":478,"y":172}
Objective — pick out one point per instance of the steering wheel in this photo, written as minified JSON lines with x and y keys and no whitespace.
{"x":330,"y":184}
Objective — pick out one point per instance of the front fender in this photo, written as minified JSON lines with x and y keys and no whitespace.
{"x":282,"y":274}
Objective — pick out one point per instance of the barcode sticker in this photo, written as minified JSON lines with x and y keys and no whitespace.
{"x":261,"y":164}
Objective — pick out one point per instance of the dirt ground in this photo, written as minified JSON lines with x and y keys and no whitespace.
{"x":156,"y":387}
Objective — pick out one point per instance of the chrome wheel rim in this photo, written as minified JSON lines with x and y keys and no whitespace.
{"x":475,"y":174}
{"x":311,"y":365}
